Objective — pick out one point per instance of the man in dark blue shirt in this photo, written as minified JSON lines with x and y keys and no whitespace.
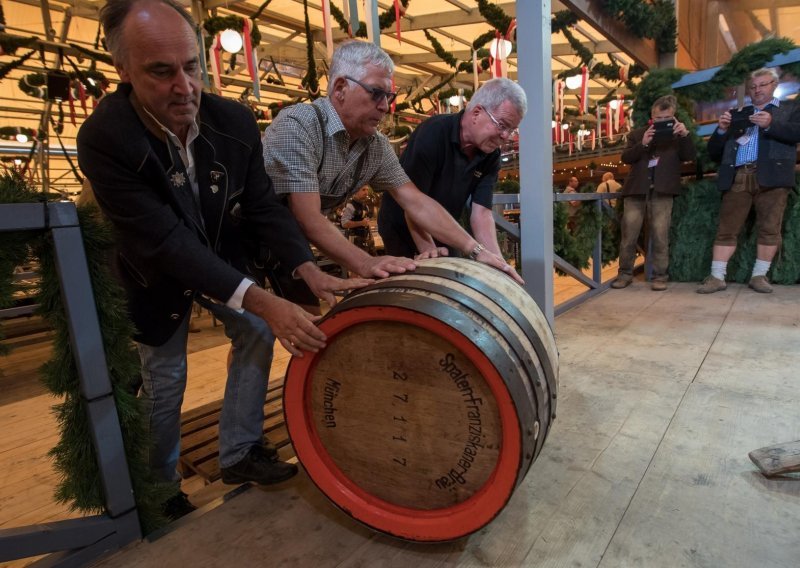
{"x":455,"y":158}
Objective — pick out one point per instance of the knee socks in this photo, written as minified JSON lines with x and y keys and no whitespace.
{"x":718,"y":269}
{"x":761,"y":267}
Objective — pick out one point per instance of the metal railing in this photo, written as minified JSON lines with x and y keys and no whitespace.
{"x":595,"y":284}
{"x":78,"y":541}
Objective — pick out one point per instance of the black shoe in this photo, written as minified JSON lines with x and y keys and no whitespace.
{"x":176,"y":507}
{"x":257,"y":466}
{"x":268,"y":449}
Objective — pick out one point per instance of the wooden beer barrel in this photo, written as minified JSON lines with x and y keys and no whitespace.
{"x":430,"y":402}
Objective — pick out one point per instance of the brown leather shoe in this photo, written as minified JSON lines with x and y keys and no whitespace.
{"x":622,"y":281}
{"x":760,"y":284}
{"x":711,"y":285}
{"x":658,"y":286}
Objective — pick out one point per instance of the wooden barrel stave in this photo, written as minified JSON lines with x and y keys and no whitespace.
{"x":490,"y":320}
{"x":491,"y":343}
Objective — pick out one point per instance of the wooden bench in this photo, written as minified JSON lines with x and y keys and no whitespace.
{"x":200,"y":434}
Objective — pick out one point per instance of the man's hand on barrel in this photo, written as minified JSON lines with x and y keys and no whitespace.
{"x":487,"y":257}
{"x":384,"y":266}
{"x":293,"y":326}
{"x":325,"y":286}
{"x":434,"y":252}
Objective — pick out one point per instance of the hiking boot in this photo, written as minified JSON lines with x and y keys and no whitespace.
{"x":760,"y":284}
{"x":711,"y":285}
{"x":177,"y":506}
{"x":257,"y":466}
{"x":622,"y":281}
{"x":658,"y":285}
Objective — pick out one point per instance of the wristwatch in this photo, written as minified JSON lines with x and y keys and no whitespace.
{"x":476,"y":251}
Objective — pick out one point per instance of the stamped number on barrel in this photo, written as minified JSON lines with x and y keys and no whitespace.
{"x":415,"y":422}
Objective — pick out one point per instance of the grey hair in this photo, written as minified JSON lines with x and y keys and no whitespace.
{"x":352,"y":57}
{"x":771,"y":71}
{"x":113,"y":15}
{"x":495,"y":92}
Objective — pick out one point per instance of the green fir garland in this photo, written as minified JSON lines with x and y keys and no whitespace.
{"x":385,"y":19}
{"x":7,"y":68}
{"x":576,"y":245}
{"x":217,"y":24}
{"x":93,"y":54}
{"x":35,"y":84}
{"x":14,"y":247}
{"x":654,"y":19}
{"x":495,"y":16}
{"x":310,"y":81}
{"x":736,"y":71}
{"x":9,"y":44}
{"x":74,"y":455}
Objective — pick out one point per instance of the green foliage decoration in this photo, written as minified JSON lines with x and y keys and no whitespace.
{"x":737,"y":69}
{"x":495,"y":15}
{"x":385,"y":19}
{"x":74,"y":455}
{"x":444,"y":55}
{"x":310,"y":81}
{"x":35,"y":84}
{"x":217,"y":24}
{"x":9,"y":43}
{"x":426,"y":94}
{"x":654,"y":19}
{"x":7,"y":68}
{"x":575,"y":244}
{"x":507,"y":185}
{"x":14,"y":247}
{"x":92,"y":54}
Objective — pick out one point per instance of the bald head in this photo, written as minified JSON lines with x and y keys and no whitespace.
{"x":115,"y":12}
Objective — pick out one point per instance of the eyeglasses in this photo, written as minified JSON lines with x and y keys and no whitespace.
{"x":377,"y":94}
{"x":501,"y":128}
{"x":755,"y":86}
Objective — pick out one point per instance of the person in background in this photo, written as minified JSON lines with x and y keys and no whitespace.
{"x":756,"y":170}
{"x":178,"y":173}
{"x":649,"y":189}
{"x":455,"y":159}
{"x":572,"y":206}
{"x":609,"y":185}
{"x":319,"y":154}
{"x":355,"y":220}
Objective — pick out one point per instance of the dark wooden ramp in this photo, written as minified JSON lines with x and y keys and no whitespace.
{"x":200,"y":434}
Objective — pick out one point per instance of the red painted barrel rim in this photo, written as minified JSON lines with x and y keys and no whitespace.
{"x":414,"y":524}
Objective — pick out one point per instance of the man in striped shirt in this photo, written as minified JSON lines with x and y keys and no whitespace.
{"x":317,"y":155}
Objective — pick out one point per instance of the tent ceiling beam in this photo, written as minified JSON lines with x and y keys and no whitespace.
{"x":459,"y":5}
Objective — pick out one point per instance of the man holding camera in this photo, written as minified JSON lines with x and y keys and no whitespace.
{"x":756,"y":170}
{"x":655,"y":154}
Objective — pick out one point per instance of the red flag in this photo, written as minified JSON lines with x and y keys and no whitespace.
{"x":82,"y":95}
{"x":397,"y":22}
{"x":584,"y":89}
{"x":71,"y":100}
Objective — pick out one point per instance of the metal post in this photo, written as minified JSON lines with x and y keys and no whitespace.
{"x":536,"y":153}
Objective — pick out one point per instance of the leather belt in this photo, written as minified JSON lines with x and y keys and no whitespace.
{"x":749,"y":167}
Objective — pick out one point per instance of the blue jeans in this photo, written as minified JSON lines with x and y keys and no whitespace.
{"x":164,"y":381}
{"x":659,"y":216}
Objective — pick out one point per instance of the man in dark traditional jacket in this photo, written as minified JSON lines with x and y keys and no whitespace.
{"x":179,"y":174}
